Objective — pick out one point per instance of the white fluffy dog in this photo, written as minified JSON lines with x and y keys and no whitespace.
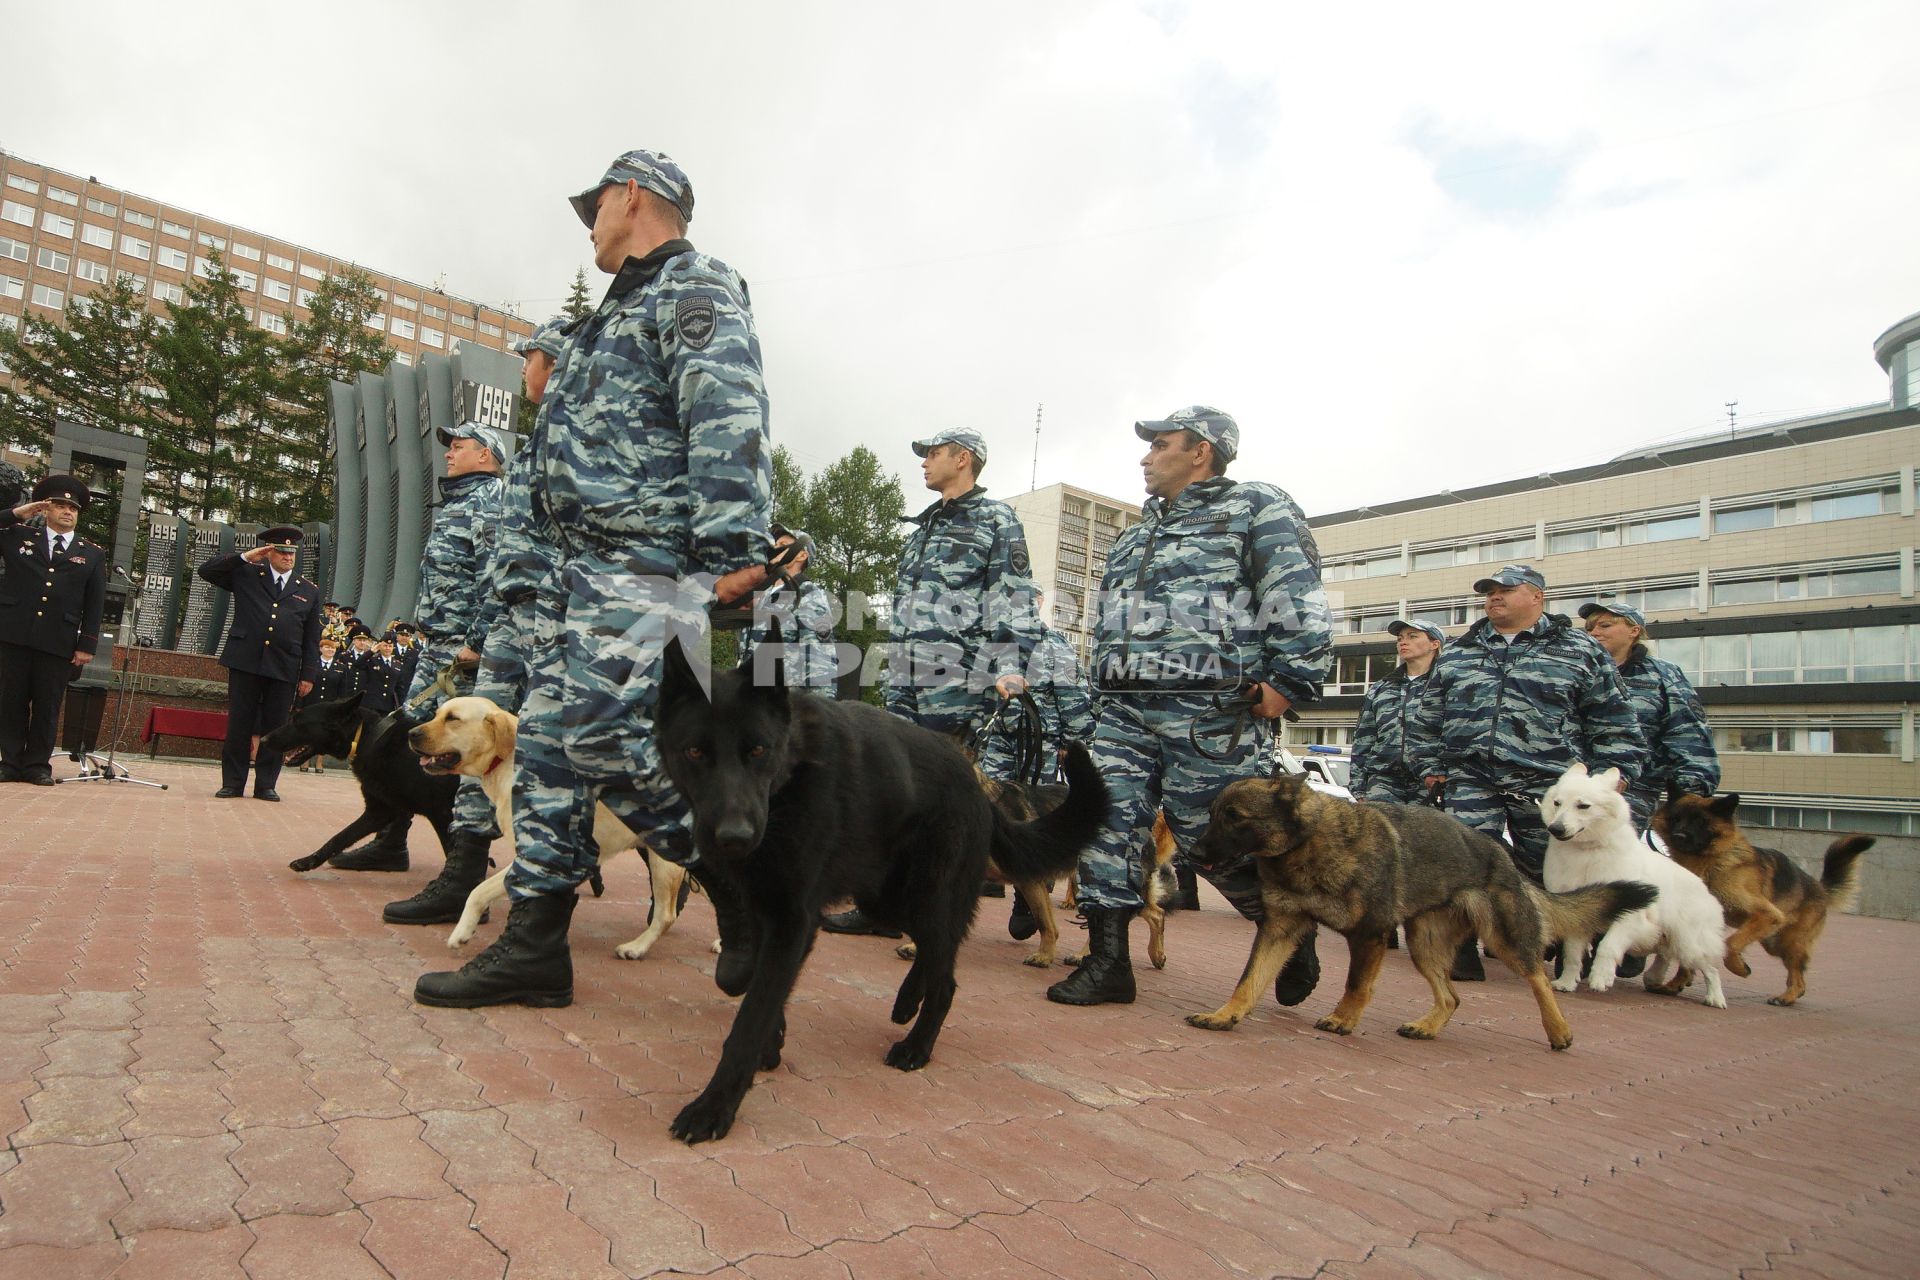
{"x":474,"y":737}
{"x":1593,"y":841}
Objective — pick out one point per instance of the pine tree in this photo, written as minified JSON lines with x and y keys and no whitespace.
{"x":578,"y":302}
{"x":90,"y":370}
{"x":333,"y":344}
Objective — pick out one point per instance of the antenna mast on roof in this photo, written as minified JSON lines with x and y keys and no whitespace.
{"x":1034,"y":481}
{"x":1732,"y":406}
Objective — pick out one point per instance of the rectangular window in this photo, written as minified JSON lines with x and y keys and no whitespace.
{"x":140,"y":219}
{"x":14,"y":249}
{"x":376,"y":321}
{"x":406,"y":304}
{"x":246,"y":280}
{"x":279,"y":290}
{"x":1864,"y":741}
{"x":137,"y":283}
{"x":53,"y":260}
{"x":312,"y":272}
{"x":272,"y":323}
{"x":437,"y":313}
{"x":432,"y":337}
{"x":98,"y":237}
{"x":12,"y":288}
{"x":19,"y":183}
{"x":402,"y":328}
{"x":212,"y":241}
{"x":91,"y":272}
{"x":171,"y":257}
{"x":304,"y":297}
{"x":169,"y":292}
{"x":14,"y":211}
{"x":101,"y":207}
{"x":463,"y":322}
{"x":203,"y":268}
{"x":1684,"y":653}
{"x":176,"y":230}
{"x":401,"y":357}
{"x":246,"y":251}
{"x":491,"y":330}
{"x":64,"y":197}
{"x":1757,"y":591}
{"x":275,"y":260}
{"x":47,"y":296}
{"x":56,"y":224}
{"x":1668,"y":528}
{"x":135,"y":248}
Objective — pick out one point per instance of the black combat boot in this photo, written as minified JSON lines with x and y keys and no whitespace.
{"x":385,"y":852}
{"x":857,"y":921}
{"x":1106,"y":975}
{"x":738,"y":938}
{"x":529,"y":962}
{"x":1301,"y":974}
{"x":445,"y":897}
{"x":1188,"y":883}
{"x":1466,"y":962}
{"x":1021,"y":925}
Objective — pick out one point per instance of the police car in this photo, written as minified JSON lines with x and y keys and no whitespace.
{"x":1327,"y":769}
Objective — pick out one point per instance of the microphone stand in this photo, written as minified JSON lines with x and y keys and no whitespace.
{"x":95,"y":767}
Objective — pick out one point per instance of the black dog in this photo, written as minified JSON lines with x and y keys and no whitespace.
{"x":392,"y":783}
{"x":802,"y":801}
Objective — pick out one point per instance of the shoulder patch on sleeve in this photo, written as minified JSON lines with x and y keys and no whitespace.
{"x":1018,"y":558}
{"x":693,"y":317}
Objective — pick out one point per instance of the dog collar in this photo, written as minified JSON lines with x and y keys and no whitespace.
{"x":488,"y":771}
{"x":354,"y":750}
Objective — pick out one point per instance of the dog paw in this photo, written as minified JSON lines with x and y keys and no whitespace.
{"x":704,"y":1119}
{"x":1560,"y":1045}
{"x":1212,"y":1021}
{"x":1780,"y":1002}
{"x":307,"y":863}
{"x":1600,"y":982}
{"x":1334,"y":1025}
{"x":905,"y":1055}
{"x":1039,"y":960}
{"x":1738,"y":966}
{"x":906,"y":951}
{"x":1414,"y":1031}
{"x":1567,"y":984}
{"x":633,"y":950}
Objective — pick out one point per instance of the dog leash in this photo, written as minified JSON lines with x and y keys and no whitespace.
{"x":1234,"y":708}
{"x":1027,"y":731}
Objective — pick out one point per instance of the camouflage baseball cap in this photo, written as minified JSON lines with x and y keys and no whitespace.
{"x":1427,"y":629}
{"x":474,"y":431}
{"x":1624,"y":612}
{"x":971,"y":441}
{"x":1512,"y":575}
{"x":549,"y":337}
{"x":653,"y":170}
{"x":1216,"y":428}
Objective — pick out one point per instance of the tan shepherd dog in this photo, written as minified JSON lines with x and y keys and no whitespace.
{"x":1767,"y":897}
{"x":1363,"y":869}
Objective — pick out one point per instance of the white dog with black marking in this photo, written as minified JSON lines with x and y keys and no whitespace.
{"x":474,"y":737}
{"x":1594,"y":841}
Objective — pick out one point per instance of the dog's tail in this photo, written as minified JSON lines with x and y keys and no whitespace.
{"x":1840,"y":874}
{"x":1586,"y":912}
{"x":1050,"y":845}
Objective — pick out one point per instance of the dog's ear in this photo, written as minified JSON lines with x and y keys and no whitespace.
{"x":351,"y":702}
{"x":1577,"y":770}
{"x":1724,"y":806}
{"x":504,"y":728}
{"x":1608,"y":778}
{"x":1674,"y":793}
{"x":678,"y":681}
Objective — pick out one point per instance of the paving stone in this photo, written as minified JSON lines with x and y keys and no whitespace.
{"x":269,"y":1093}
{"x":298,"y":1246}
{"x":184,"y":1184}
{"x":77,"y":1109}
{"x":84,"y":1262}
{"x":531,"y":1225}
{"x":431,"y":1240}
{"x":646,"y":1236}
{"x":176,"y":1255}
{"x":289,"y":1171}
{"x":478,"y":1149}
{"x":388,"y":1158}
{"x":62,"y":1196}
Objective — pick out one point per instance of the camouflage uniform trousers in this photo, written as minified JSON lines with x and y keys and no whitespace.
{"x":1394,"y":788}
{"x":503,"y":667}
{"x":1642,"y":802}
{"x":1141,"y":749}
{"x":586,"y":737}
{"x":1506,"y":816}
{"x":472,"y":811}
{"x":997,"y":759}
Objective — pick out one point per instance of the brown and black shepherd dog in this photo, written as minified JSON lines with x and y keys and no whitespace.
{"x":1364,"y":869}
{"x":1767,"y":897}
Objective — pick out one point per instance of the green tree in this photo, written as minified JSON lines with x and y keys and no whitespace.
{"x":578,"y":302}
{"x":332,"y":344}
{"x":90,"y":369}
{"x":217,"y":447}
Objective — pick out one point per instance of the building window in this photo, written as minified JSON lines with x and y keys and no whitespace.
{"x":64,"y":197}
{"x":433,"y":312}
{"x":91,"y":272}
{"x":47,"y":296}
{"x":491,"y":330}
{"x":405,"y":304}
{"x":275,"y":260}
{"x":376,"y":321}
{"x":98,"y":237}
{"x":14,"y":211}
{"x":1359,"y":564}
{"x":172,"y":257}
{"x":137,"y":283}
{"x":15,"y":249}
{"x":432,"y":337}
{"x":246,"y":251}
{"x":1838,"y":655}
{"x":140,"y":219}
{"x":176,"y":230}
{"x":1658,"y":595}
{"x":202,"y":268}
{"x":272,"y":323}
{"x":212,"y":241}
{"x":56,"y":224}
{"x":1664,"y":527}
{"x":53,"y":260}
{"x":1877,"y":501}
{"x":1818,"y":583}
{"x":246,"y":280}
{"x":169,"y":292}
{"x":1351,"y":622}
{"x":401,"y":357}
{"x":279,"y":290}
{"x":101,"y":207}
{"x":312,"y":272}
{"x":463,"y":322}
{"x":19,"y":183}
{"x":402,"y":328}
{"x":304,"y":297}
{"x":1763,"y":515}
{"x":12,"y":288}
{"x":1493,"y":548}
{"x":1811,"y":738}
{"x":135,"y":248}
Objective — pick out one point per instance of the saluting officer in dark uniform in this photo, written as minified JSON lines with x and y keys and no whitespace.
{"x":272,"y":653}
{"x":53,"y":585}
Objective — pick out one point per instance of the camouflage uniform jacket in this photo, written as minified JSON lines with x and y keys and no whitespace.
{"x":973,"y":548}
{"x":1217,"y":587}
{"x":1679,"y":747}
{"x":1515,"y":716}
{"x":1060,"y":689}
{"x":1380,"y":739}
{"x":522,"y":565}
{"x":458,"y":559}
{"x":650,"y":454}
{"x":806,"y":623}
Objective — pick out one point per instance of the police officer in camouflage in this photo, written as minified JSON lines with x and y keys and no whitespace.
{"x":810,"y":658}
{"x":1058,"y":684}
{"x":1382,"y":769}
{"x":453,"y":629}
{"x":648,"y":480}
{"x":1216,"y":589}
{"x":1510,"y":706}
{"x":1680,"y":750}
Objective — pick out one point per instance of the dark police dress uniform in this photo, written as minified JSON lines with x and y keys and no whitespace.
{"x":272,"y":645}
{"x":49,"y":610}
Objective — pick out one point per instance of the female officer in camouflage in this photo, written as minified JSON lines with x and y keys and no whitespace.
{"x":1382,"y":767}
{"x":1679,"y":745}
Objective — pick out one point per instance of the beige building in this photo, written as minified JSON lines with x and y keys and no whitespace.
{"x":63,"y":236}
{"x":1069,"y":532}
{"x":1775,"y":566}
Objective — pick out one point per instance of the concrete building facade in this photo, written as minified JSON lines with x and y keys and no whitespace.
{"x":1069,"y":532}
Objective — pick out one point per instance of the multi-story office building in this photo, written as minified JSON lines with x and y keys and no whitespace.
{"x":1775,"y":566}
{"x":1069,"y":532}
{"x":63,"y":236}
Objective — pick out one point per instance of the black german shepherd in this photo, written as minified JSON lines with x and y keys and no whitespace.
{"x":803,"y":801}
{"x":392,"y":783}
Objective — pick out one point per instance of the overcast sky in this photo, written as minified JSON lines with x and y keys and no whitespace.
{"x":1410,"y":247}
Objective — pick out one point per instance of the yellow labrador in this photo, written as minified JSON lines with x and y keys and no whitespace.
{"x":475,"y":738}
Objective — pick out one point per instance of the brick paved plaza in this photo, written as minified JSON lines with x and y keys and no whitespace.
{"x":211,"y":1067}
